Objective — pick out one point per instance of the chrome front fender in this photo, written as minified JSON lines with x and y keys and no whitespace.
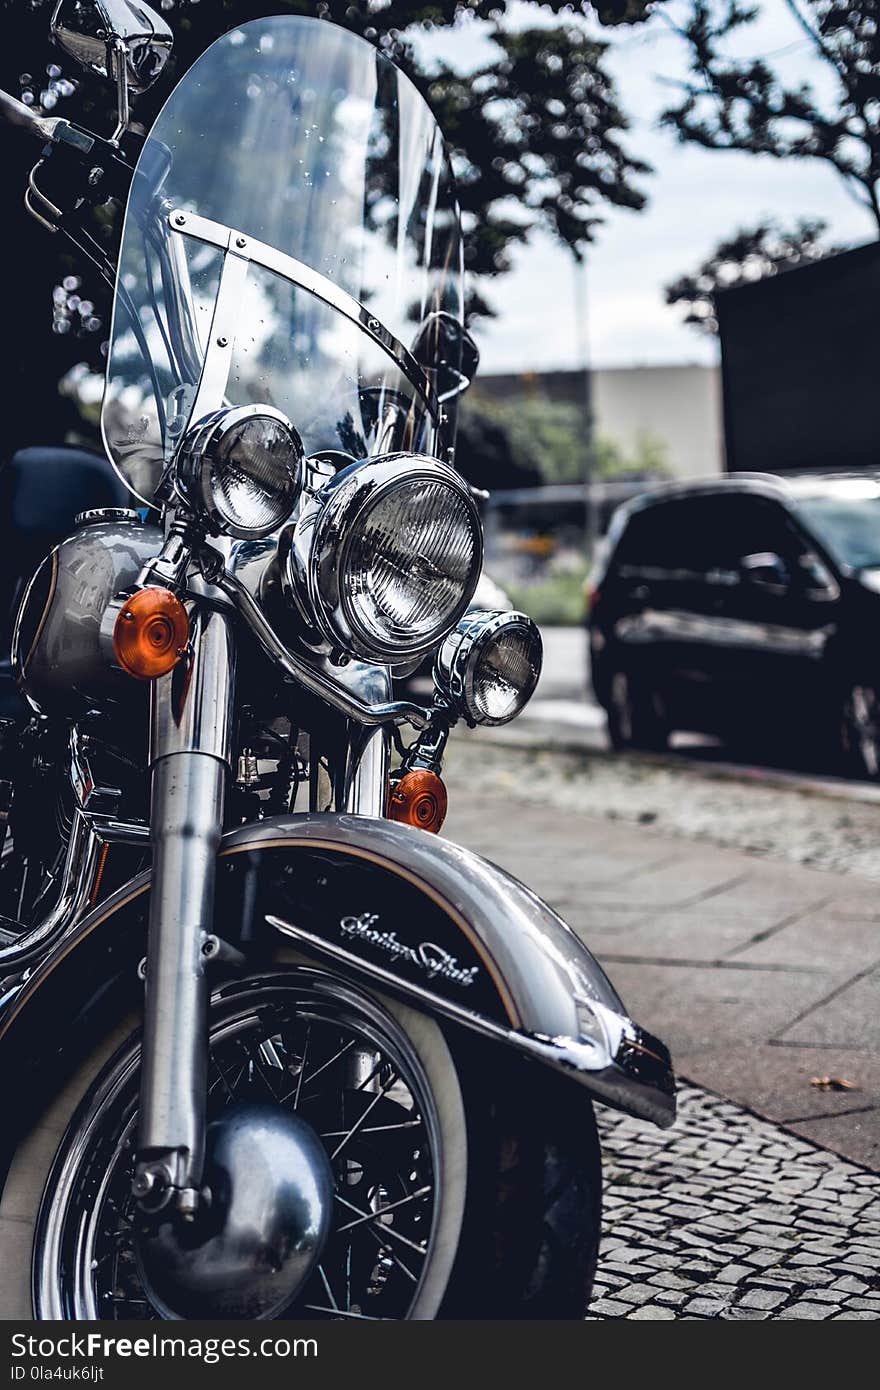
{"x":554,"y":1001}
{"x":414,"y":914}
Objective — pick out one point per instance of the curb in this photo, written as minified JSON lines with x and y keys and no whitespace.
{"x":538,"y":736}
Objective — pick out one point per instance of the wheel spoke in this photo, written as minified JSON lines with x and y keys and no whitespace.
{"x":326,"y":1282}
{"x":302,"y":1067}
{"x":264,"y":1077}
{"x":373,"y":1073}
{"x":373,"y":1129}
{"x":324,"y":1065}
{"x":392,"y":1255}
{"x":380,"y":1095}
{"x":223,"y":1077}
{"x":383,"y":1211}
{"x":386,"y":1230}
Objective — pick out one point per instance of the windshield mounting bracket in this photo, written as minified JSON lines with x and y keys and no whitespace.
{"x":247,"y":248}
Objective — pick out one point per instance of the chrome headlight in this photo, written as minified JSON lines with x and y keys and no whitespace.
{"x":387,"y":557}
{"x":242,"y":468}
{"x":489,"y":666}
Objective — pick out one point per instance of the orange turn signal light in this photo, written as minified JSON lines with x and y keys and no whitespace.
{"x":151,"y":633}
{"x":419,"y":799}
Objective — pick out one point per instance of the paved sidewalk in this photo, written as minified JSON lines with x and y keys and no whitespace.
{"x":759,"y":974}
{"x":726,"y":1216}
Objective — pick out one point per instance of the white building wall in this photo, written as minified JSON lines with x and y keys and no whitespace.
{"x":679,"y":405}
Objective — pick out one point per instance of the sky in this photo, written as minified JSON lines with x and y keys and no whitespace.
{"x":696,"y":198}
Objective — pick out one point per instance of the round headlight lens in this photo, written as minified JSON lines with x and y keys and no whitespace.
{"x":489,"y":666}
{"x":243,"y":467}
{"x":394,"y":551}
{"x":411,"y":566}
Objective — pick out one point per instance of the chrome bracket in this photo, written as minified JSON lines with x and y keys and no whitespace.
{"x":211,"y":392}
{"x":41,"y":208}
{"x":297,"y":669}
{"x":90,"y":796}
{"x":119,"y":55}
{"x":298,"y":273}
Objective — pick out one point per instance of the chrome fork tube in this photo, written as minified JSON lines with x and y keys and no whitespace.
{"x":366,"y":779}
{"x":190,"y":755}
{"x":368,"y":748}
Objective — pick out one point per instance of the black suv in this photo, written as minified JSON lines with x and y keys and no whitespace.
{"x":746,"y":607}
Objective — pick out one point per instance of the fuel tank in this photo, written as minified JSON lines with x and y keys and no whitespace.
{"x":58,"y":658}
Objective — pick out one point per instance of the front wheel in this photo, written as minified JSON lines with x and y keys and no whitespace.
{"x":466,"y":1182}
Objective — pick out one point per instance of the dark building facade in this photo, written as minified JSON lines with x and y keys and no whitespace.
{"x":801,"y":367}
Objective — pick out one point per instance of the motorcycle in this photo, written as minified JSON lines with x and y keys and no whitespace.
{"x":269,"y":1046}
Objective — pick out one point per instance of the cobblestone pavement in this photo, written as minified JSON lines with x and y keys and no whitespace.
{"x":728,"y":1216}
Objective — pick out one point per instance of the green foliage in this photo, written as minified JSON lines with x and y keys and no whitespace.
{"x":743,"y":103}
{"x":537,"y":440}
{"x":545,"y":437}
{"x":538,"y":128}
{"x":545,"y":135}
{"x":556,"y":600}
{"x":750,"y":254}
{"x":650,"y":458}
{"x":483,"y":452}
{"x":537,"y":137}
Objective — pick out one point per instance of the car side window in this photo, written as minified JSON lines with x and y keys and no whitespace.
{"x":775,"y":559}
{"x":644,"y":542}
{"x":768,"y":531}
{"x":771,"y":530}
{"x":674,"y":539}
{"x":739,"y":541}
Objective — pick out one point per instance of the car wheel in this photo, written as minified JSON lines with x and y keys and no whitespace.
{"x":636,"y":717}
{"x":859,"y":732}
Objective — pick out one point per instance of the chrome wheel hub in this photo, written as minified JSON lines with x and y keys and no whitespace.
{"x":261,"y":1229}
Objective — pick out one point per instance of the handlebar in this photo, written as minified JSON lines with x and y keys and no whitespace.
{"x":311,"y":678}
{"x":46,"y":128}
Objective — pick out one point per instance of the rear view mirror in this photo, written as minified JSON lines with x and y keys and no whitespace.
{"x":818,"y":581}
{"x":766,"y":570}
{"x":102,"y":34}
{"x":444,"y":345}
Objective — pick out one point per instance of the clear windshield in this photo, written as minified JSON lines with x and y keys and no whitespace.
{"x":302,"y":137}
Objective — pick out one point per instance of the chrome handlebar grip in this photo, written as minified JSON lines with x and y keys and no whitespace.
{"x":14,"y":112}
{"x":46,"y":128}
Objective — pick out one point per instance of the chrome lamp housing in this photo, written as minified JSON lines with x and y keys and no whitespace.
{"x":385,"y":557}
{"x":241,"y":469}
{"x":489,"y":666}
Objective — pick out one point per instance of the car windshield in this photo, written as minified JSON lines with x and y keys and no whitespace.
{"x":292,"y":239}
{"x":849,"y":527}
